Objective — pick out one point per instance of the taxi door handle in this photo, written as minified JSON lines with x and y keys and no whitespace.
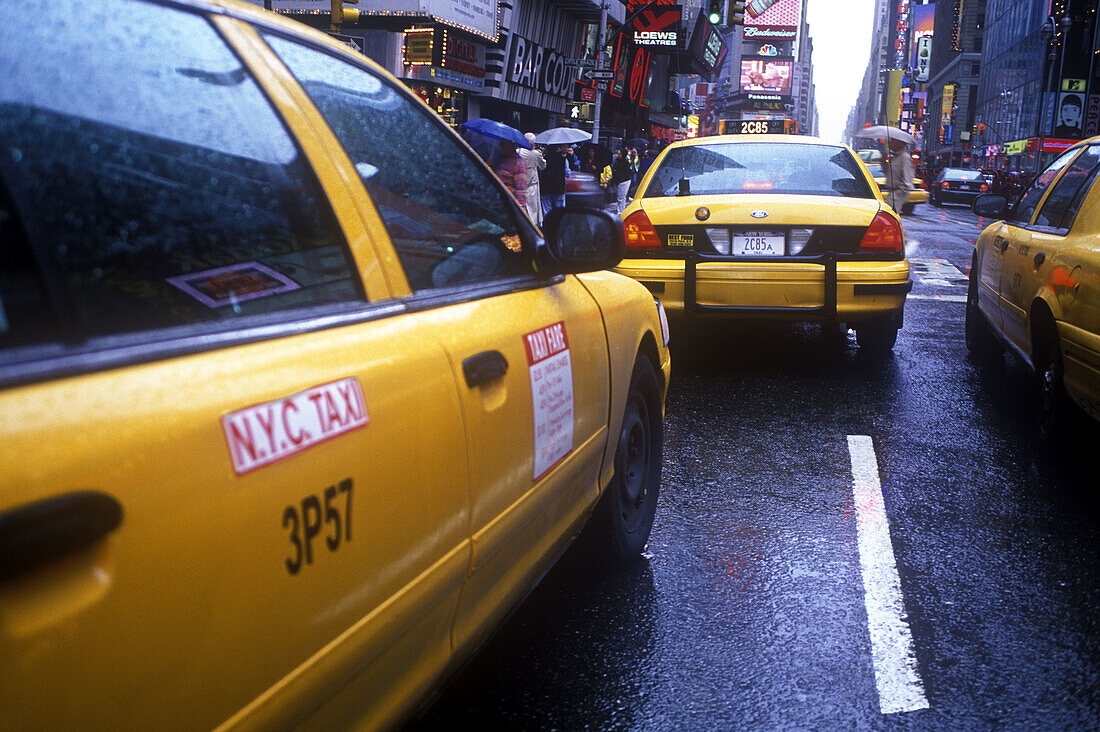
{"x":484,"y":367}
{"x":41,"y":532}
{"x":1039,"y":259}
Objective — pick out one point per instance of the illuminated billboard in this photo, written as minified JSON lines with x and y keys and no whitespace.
{"x":922,"y":25}
{"x":778,"y":19}
{"x":767,"y":74}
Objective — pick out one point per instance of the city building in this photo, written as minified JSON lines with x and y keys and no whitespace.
{"x":1039,"y":88}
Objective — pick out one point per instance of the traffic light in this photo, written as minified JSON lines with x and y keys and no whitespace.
{"x":341,"y":14}
{"x":716,"y":12}
{"x":736,"y":14}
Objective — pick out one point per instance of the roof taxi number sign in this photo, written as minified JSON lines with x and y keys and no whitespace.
{"x":757,"y":127}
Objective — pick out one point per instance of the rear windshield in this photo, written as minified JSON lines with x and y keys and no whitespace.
{"x":964,"y":175}
{"x":759,"y":167}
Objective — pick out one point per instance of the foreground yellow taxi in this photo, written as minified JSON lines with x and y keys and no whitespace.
{"x":769,"y":226}
{"x":1035,"y":283}
{"x":296,"y":403}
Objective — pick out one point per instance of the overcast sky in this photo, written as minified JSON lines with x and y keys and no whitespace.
{"x":842,"y":47}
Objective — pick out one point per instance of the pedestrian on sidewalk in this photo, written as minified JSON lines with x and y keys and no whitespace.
{"x":533,"y":161}
{"x":620,"y":178}
{"x":511,"y":170}
{"x":552,"y":180}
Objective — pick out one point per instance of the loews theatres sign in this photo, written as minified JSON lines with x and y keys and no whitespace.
{"x":537,"y":67}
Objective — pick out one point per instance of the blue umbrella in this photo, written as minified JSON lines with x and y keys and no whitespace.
{"x":489,"y":128}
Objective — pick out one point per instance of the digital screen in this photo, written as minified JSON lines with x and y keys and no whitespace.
{"x":768,"y":75}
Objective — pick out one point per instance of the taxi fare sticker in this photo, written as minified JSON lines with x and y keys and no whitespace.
{"x":551,"y":371}
{"x":266,"y":433}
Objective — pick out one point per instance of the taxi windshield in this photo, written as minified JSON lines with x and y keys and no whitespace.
{"x":759,"y":167}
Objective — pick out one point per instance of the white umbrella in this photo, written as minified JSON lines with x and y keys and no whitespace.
{"x":562,"y":136}
{"x":879,"y":132}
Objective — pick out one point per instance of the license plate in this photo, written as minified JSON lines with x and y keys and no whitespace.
{"x":757,"y":244}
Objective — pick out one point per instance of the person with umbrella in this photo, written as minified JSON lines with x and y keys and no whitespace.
{"x":899,"y":166}
{"x":511,"y":170}
{"x":504,"y":160}
{"x":899,"y":174}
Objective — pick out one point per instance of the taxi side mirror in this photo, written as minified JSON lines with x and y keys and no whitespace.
{"x":991,"y":205}
{"x":580,"y":239}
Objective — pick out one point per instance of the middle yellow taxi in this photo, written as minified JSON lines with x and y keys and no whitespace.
{"x":769,"y":226}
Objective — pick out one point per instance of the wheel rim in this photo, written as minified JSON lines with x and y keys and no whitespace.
{"x":1048,"y":396}
{"x":971,"y":313}
{"x":632,"y":462}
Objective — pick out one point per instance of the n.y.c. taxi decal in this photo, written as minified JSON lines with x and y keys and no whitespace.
{"x":266,"y":433}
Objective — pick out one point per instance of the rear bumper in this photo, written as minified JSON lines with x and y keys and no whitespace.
{"x":958,"y":196}
{"x":804,"y":291}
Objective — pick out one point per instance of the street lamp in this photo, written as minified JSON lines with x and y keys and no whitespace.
{"x":1050,"y":34}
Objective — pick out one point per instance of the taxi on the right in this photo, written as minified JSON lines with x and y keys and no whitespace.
{"x":773,"y":227}
{"x":1035,"y":284}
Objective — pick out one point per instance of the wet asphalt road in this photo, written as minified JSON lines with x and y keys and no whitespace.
{"x":749,"y":612}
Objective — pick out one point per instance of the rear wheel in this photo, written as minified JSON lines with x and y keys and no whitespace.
{"x":622,"y":522}
{"x":877,"y":336}
{"x":980,"y":341}
{"x":907,"y":208}
{"x":1054,"y":406}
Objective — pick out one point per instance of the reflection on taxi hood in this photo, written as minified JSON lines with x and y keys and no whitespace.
{"x":783,"y":210}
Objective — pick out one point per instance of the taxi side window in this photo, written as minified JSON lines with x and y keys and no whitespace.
{"x":447,"y":218}
{"x":155,"y":182}
{"x":1031,"y":197}
{"x":1065,"y":198}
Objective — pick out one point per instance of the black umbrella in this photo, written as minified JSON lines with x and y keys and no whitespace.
{"x":638,"y":142}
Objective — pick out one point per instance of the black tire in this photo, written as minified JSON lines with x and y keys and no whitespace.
{"x":877,"y":336}
{"x":982,"y":345}
{"x":934,"y":201}
{"x":622,"y":522}
{"x":1054,"y":405}
{"x":907,"y":208}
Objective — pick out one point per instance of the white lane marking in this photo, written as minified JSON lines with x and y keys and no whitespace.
{"x":899,"y":684}
{"x":943,"y":298}
{"x":937,"y":272}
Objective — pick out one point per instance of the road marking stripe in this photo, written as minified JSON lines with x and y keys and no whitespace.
{"x":944,"y":298}
{"x":899,"y":685}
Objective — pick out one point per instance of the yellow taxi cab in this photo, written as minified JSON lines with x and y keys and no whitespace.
{"x":296,"y":403}
{"x":1035,"y":284}
{"x":769,"y":226}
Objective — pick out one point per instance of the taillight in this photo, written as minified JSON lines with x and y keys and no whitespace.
{"x":923,"y":184}
{"x":883,"y":236}
{"x":945,"y":185}
{"x":984,"y":187}
{"x":640,"y":234}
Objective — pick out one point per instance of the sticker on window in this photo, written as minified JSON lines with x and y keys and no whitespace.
{"x":233,"y":284}
{"x":551,"y":371}
{"x":266,"y":433}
